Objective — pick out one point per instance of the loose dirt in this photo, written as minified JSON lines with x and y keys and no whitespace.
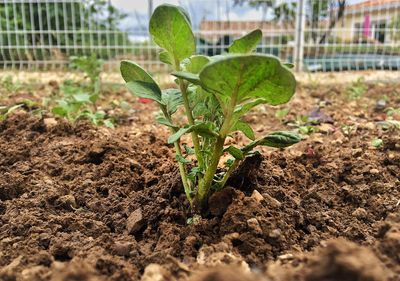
{"x":85,"y":203}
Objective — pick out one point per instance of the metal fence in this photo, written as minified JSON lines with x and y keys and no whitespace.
{"x":323,"y":35}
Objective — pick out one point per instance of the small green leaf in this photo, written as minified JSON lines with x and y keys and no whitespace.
{"x":82,"y":97}
{"x":172,"y":99}
{"x":279,"y":139}
{"x":282,"y":113}
{"x":188,"y":150}
{"x":289,"y":65}
{"x":235,"y":152}
{"x":109,"y":123}
{"x":181,"y":159}
{"x":59,"y":111}
{"x":242,"y":109}
{"x":378,"y":143}
{"x":196,"y":63}
{"x":205,"y":129}
{"x":245,"y":129}
{"x":171,"y":29}
{"x":249,"y":76}
{"x":192,"y":78}
{"x":165,"y":58}
{"x":247,"y":43}
{"x":163,"y":121}
{"x":139,"y":82}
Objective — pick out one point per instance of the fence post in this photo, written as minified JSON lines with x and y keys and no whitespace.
{"x":299,"y":36}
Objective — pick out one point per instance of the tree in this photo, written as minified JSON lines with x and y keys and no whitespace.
{"x":315,"y":12}
{"x":60,"y":29}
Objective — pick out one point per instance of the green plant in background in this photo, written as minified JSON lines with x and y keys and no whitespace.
{"x":304,"y":125}
{"x":215,"y":93}
{"x":356,"y":89}
{"x":9,"y":85}
{"x":78,"y":100}
{"x":74,"y":18}
{"x":92,"y":68}
{"x":391,"y":111}
{"x":5,"y":111}
{"x":282,"y":113}
{"x":377,"y":143}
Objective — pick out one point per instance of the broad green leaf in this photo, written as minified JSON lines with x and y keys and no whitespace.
{"x":172,"y":99}
{"x":196,"y":63}
{"x":192,"y":78}
{"x":245,"y":129}
{"x":280,"y":139}
{"x":205,"y":129}
{"x":165,"y":58}
{"x":139,"y":82}
{"x":249,"y":76}
{"x":171,"y":30}
{"x":247,"y":43}
{"x":235,"y":152}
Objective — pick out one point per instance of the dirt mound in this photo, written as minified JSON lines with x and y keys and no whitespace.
{"x":84,"y":203}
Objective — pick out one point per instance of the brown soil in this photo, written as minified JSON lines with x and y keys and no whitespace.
{"x":85,"y":203}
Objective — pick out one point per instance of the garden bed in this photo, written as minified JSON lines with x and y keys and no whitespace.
{"x":79,"y":202}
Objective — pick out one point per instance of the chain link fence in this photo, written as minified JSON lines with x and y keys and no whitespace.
{"x":323,"y":35}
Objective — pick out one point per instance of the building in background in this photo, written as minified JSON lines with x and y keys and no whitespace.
{"x":369,"y":21}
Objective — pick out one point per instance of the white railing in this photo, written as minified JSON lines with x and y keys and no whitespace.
{"x":41,"y":34}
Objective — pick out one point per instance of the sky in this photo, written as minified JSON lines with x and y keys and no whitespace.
{"x":137,"y":11}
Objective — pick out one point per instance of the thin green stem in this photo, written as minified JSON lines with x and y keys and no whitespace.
{"x":182,"y":168}
{"x":228,"y":173}
{"x":188,"y":110}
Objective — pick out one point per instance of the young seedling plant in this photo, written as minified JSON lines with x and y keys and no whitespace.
{"x":215,"y":93}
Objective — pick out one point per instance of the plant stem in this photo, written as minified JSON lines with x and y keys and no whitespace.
{"x":206,"y":182}
{"x":182,"y":168}
{"x":228,"y":173}
{"x":195,"y":137}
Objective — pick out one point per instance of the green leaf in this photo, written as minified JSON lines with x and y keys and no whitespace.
{"x":282,"y":113}
{"x":378,"y":143}
{"x":181,"y":159}
{"x":279,"y":139}
{"x":235,"y":152}
{"x":242,"y":109}
{"x":289,"y":65}
{"x":171,"y":30}
{"x":59,"y":111}
{"x":165,"y":58}
{"x":191,"y":77}
{"x":247,"y":43}
{"x":245,"y":129}
{"x":188,"y":150}
{"x":196,"y":63}
{"x":163,"y":121}
{"x":8,"y":111}
{"x":139,"y":82}
{"x":82,"y":97}
{"x":172,"y":99}
{"x":109,"y":123}
{"x":205,"y":129}
{"x":249,"y":76}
